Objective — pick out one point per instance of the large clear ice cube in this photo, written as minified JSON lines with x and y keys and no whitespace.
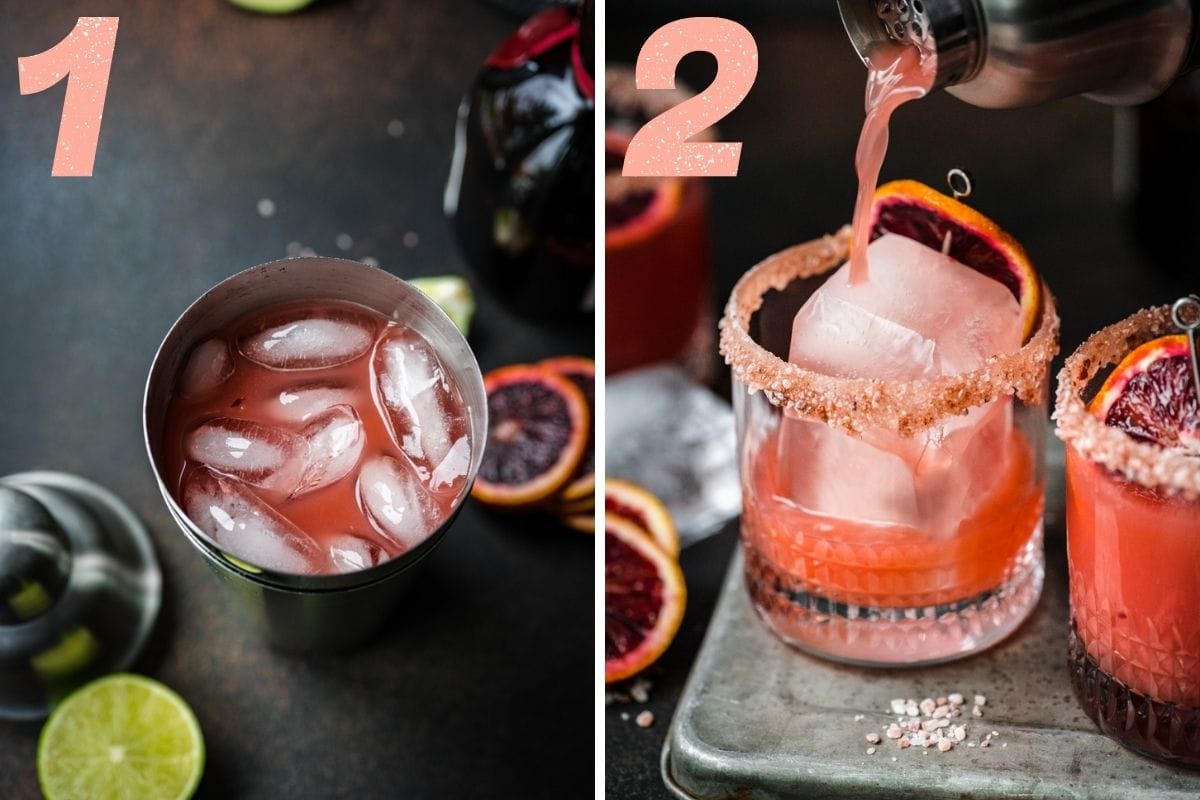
{"x":920,"y":315}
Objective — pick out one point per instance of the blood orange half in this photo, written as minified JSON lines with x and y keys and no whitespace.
{"x":537,"y":432}
{"x":644,"y":598}
{"x":1151,"y":396}
{"x":634,"y":208}
{"x":643,"y":509}
{"x":580,"y":371}
{"x":914,"y":210}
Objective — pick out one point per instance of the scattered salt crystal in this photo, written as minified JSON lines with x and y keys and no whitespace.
{"x":972,"y":744}
{"x":980,"y":700}
{"x":928,"y":706}
{"x":859,"y":717}
{"x":640,"y":691}
{"x":984,"y":743}
{"x":894,"y":732}
{"x":941,"y":701}
{"x":344,"y":241}
{"x":870,"y":751}
{"x":873,"y":738}
{"x":945,"y":745}
{"x":1004,"y":744}
{"x":897,"y":706}
{"x":994,"y":733}
{"x":645,"y":719}
{"x":956,"y":699}
{"x":904,"y":744}
{"x":941,"y":711}
{"x":266,"y":208}
{"x":976,"y":712}
{"x":625,"y":716}
{"x":893,"y":758}
{"x":911,"y":708}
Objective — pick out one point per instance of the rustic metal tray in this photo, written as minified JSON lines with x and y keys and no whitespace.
{"x":760,"y":721}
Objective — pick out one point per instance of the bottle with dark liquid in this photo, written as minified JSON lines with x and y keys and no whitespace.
{"x":521,"y":186}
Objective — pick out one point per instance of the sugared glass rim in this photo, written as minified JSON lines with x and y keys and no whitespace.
{"x":854,"y":404}
{"x":1165,"y":469}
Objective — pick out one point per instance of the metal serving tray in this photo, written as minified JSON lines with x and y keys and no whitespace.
{"x":760,"y":721}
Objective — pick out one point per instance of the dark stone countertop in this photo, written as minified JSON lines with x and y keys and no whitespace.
{"x":1045,"y":173}
{"x":482,"y":684}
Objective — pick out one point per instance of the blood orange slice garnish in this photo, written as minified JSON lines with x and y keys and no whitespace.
{"x":580,"y":371}
{"x":914,"y":210}
{"x":537,"y":432}
{"x":644,"y":598}
{"x":643,"y":509}
{"x":1151,"y":396}
{"x":634,"y":208}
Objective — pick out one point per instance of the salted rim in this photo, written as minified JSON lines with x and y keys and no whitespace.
{"x":1154,"y":467}
{"x":853,"y":404}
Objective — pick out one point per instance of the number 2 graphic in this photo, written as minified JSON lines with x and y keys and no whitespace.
{"x":661,"y":147}
{"x":84,"y":58}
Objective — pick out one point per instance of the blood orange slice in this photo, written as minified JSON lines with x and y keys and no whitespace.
{"x":634,"y":208}
{"x":580,"y":371}
{"x":643,"y":509}
{"x":916,"y":211}
{"x":1151,"y":396}
{"x":644,"y":598}
{"x":537,"y":432}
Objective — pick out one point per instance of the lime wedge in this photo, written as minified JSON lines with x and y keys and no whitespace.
{"x":453,"y":294}
{"x":122,"y":736}
{"x":272,"y":6}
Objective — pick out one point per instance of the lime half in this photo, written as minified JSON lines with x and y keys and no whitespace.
{"x":272,"y":6}
{"x":121,"y":737}
{"x":453,"y":294}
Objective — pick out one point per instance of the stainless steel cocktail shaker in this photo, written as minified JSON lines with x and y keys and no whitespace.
{"x":1008,"y":53}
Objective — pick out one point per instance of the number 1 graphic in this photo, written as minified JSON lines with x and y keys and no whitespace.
{"x":84,"y":57}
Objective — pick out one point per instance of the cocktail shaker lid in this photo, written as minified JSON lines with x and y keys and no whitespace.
{"x":80,"y":588}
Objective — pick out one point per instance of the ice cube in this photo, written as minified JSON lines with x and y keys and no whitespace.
{"x":930,"y":482}
{"x":208,"y":366}
{"x":309,"y":341}
{"x":304,"y":401}
{"x":267,"y":457}
{"x":418,"y":398}
{"x":447,"y":474}
{"x":921,"y":314}
{"x":350,"y":553}
{"x":396,"y":502}
{"x":246,"y":527}
{"x":335,"y":442}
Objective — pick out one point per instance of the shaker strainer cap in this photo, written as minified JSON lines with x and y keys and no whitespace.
{"x":79,"y":588}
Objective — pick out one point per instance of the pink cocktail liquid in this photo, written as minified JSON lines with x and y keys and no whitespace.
{"x":316,"y":437}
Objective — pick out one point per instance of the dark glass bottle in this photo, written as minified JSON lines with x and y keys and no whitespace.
{"x":521,"y":187}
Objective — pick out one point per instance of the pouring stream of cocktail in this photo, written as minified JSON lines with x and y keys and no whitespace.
{"x":896,"y":73}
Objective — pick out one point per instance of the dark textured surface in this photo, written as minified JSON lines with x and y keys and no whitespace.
{"x":1044,"y":173}
{"x":481,"y":685}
